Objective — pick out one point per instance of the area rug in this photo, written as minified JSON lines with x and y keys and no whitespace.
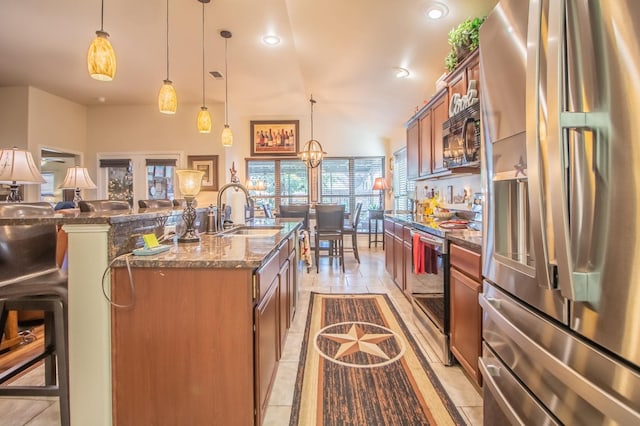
{"x":359,"y":365}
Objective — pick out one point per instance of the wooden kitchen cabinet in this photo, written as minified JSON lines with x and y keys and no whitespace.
{"x":426,"y":143}
{"x":388,"y":244}
{"x":439,"y":114}
{"x":200,"y":345}
{"x":413,"y":149}
{"x":267,"y":346}
{"x":398,"y":260}
{"x":469,"y":69}
{"x":465,"y":283}
{"x":407,"y":248}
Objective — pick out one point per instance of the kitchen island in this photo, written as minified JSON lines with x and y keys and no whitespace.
{"x":201,"y":327}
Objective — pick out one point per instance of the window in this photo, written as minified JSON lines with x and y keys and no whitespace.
{"x":401,"y":185}
{"x":160,"y":178}
{"x":349,"y":181}
{"x":285,"y":182}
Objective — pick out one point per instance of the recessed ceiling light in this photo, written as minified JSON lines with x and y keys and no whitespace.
{"x":436,"y":11}
{"x":101,"y":99}
{"x":271,"y":40}
{"x":401,"y":72}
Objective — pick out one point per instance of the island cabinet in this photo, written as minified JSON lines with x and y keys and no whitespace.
{"x":466,"y":315}
{"x":200,"y":345}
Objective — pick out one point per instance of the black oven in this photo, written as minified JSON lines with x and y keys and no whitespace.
{"x":429,"y":286}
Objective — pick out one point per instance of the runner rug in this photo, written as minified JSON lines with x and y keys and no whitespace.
{"x":360,"y":365}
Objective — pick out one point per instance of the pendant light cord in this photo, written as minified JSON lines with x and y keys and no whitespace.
{"x":311,"y":101}
{"x":102,"y":16}
{"x":167,"y":39}
{"x":226,"y":84}
{"x":203,"y":54}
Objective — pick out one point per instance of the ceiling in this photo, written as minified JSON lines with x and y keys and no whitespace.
{"x":341,"y":51}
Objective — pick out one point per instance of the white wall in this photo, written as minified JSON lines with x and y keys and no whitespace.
{"x":14,"y":104}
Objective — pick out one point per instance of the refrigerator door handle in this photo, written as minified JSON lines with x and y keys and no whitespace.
{"x":536,"y":140}
{"x":574,"y":284}
{"x":489,"y":371}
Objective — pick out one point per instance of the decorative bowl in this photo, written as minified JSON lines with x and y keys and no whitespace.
{"x":443,"y":215}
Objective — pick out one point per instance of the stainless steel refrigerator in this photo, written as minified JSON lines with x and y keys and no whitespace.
{"x":560,"y":102}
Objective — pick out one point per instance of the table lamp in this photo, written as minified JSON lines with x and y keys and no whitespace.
{"x":190,"y":182}
{"x":16,"y":168}
{"x":380,"y":184}
{"x":77,"y":178}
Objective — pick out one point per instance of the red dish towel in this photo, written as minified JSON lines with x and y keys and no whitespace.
{"x":418,"y":255}
{"x":425,"y":257}
{"x":430,"y":259}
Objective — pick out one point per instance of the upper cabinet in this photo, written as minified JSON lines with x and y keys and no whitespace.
{"x":425,"y":138}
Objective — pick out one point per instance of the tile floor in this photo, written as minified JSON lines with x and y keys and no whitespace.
{"x":368,"y":276}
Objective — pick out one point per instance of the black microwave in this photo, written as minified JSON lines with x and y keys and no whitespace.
{"x":461,"y":138}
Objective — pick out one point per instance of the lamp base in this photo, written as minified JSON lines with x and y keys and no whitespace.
{"x":14,"y":194}
{"x":189,"y":217}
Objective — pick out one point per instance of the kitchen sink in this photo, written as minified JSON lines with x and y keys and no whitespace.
{"x":257,"y":232}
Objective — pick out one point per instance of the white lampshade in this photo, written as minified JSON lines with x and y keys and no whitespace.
{"x":249,"y":185}
{"x":167,"y":98}
{"x":77,"y":178}
{"x":190,"y":182}
{"x":17,"y":167}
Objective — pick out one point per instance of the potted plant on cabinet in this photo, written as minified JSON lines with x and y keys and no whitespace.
{"x":463,"y":40}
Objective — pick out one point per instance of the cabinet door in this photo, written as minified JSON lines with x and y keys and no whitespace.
{"x":413,"y":152}
{"x":466,"y":322}
{"x":388,"y":253}
{"x":266,"y":346}
{"x":440,"y":114}
{"x":293,"y":286}
{"x":473,"y":71}
{"x":398,"y":268}
{"x":408,"y":265}
{"x":426,"y":156}
{"x":285,"y":288}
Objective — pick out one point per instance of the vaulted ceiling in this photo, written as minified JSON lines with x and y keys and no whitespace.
{"x":341,"y":51}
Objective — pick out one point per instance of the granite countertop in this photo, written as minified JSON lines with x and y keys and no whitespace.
{"x":76,"y":217}
{"x":468,"y":238}
{"x":223,"y":250}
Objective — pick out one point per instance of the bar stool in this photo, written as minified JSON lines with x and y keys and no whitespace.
{"x":329,"y":227}
{"x":30,"y":280}
{"x":374,"y":217}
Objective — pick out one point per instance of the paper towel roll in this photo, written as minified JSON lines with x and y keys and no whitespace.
{"x":237,"y":207}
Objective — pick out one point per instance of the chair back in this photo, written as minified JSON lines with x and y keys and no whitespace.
{"x":296,"y":210}
{"x":329,"y":217}
{"x":182,"y":203}
{"x":155,"y":204}
{"x":26,"y":249}
{"x":267,"y":211}
{"x":102,"y":205}
{"x":355,"y":218}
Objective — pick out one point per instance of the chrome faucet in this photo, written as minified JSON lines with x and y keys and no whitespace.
{"x":237,"y":186}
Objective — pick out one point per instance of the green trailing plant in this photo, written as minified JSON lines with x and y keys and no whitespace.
{"x":463,"y":39}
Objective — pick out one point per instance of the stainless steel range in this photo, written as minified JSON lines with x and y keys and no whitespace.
{"x":429,"y":284}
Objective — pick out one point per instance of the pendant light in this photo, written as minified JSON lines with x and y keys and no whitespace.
{"x":227,"y":135}
{"x":312,"y":152}
{"x":167,"y":98}
{"x":101,"y":58}
{"x":204,"y":117}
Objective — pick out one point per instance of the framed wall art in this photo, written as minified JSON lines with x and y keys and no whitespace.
{"x":209,"y":165}
{"x":275,"y":137}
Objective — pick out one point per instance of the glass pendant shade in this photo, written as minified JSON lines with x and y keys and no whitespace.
{"x":101,"y":58}
{"x":190,"y":182}
{"x":227,"y":136}
{"x":167,"y":98}
{"x":204,"y":120}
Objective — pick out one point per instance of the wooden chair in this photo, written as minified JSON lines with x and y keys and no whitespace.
{"x":267,"y":211}
{"x":351,"y":228}
{"x":329,"y":227}
{"x":155,"y":204}
{"x":31,"y":281}
{"x":296,"y":210}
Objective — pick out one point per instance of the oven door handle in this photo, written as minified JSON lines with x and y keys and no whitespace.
{"x":427,"y":239}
